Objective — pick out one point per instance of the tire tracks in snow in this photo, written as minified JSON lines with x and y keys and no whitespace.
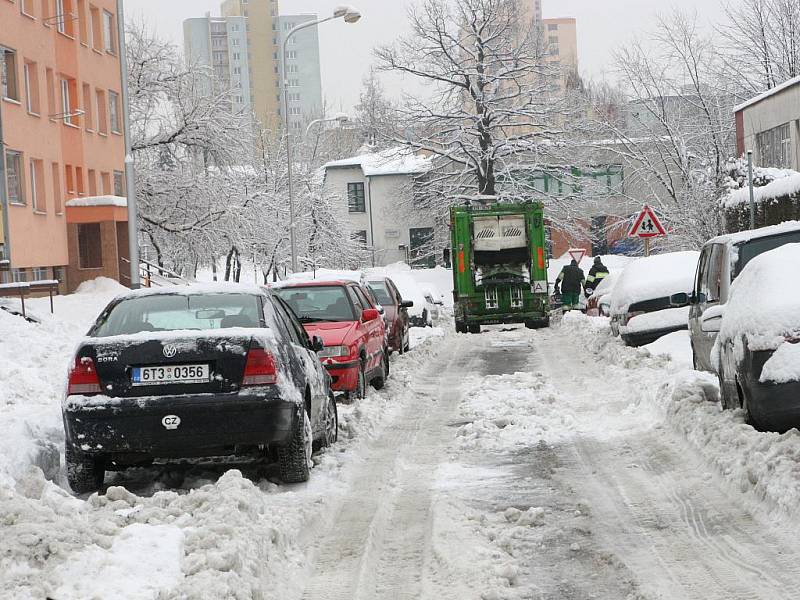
{"x":378,"y":543}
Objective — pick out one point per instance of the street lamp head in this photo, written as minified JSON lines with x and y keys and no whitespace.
{"x":341,"y":118}
{"x":349,"y":13}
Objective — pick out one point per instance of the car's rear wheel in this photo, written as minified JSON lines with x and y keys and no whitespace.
{"x":295,"y":457}
{"x":85,"y":472}
{"x":379,"y":381}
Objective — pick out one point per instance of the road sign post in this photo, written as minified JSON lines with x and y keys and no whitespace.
{"x":647,"y":226}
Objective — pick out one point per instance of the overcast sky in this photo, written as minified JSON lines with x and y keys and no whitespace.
{"x":603,"y":25}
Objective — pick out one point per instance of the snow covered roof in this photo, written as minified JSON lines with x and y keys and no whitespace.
{"x":784,"y":86}
{"x":787,"y":183}
{"x":752,"y":234}
{"x":394,"y":161}
{"x":98,"y":201}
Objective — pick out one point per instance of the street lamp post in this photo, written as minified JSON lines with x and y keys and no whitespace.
{"x":350,"y":15}
{"x":340,"y":118}
{"x":130,"y":175}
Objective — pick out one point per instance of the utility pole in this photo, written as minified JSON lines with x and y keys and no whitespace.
{"x":4,"y":193}
{"x":130,"y":173}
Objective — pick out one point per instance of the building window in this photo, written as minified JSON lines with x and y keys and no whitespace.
{"x":90,"y":248}
{"x":292,"y":69}
{"x":775,"y":147}
{"x":237,"y":56}
{"x":553,"y":39}
{"x":51,"y":92}
{"x":79,"y":181}
{"x":113,"y":112}
{"x":109,"y":38}
{"x":119,"y":183}
{"x":82,"y":29}
{"x":292,"y":83}
{"x":292,"y":54}
{"x":96,"y":30}
{"x":91,"y":174}
{"x":105,"y":183}
{"x":355,"y":198}
{"x":88,"y":113}
{"x":360,"y":237}
{"x":57,"y":189}
{"x":102,"y":122}
{"x":68,"y":101}
{"x":219,"y":56}
{"x":8,"y":74}
{"x":237,"y":70}
{"x":236,"y":42}
{"x":38,"y":198}
{"x":26,"y":7}
{"x":552,"y":27}
{"x":14,"y":177}
{"x":31,"y":73}
{"x":61,"y":21}
{"x":70,"y":179}
{"x":19,"y":275}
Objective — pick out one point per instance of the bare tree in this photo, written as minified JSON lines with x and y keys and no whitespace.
{"x":491,"y":103}
{"x":762,"y":42}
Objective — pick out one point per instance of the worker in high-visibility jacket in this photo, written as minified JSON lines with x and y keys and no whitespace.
{"x":597,"y":273}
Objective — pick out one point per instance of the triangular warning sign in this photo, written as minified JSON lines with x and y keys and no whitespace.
{"x":577,"y":254}
{"x":647,"y":225}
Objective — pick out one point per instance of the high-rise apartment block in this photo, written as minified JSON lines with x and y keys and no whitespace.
{"x":303,"y":78}
{"x":561,"y":43}
{"x":221,"y":43}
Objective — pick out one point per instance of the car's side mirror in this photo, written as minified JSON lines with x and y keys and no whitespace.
{"x":679,"y":299}
{"x":317,"y":344}
{"x":370,"y":314}
{"x":406,"y":304}
{"x":380,"y":308}
{"x":693,"y":298}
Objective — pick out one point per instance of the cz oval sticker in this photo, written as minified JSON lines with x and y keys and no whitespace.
{"x":171,"y":421}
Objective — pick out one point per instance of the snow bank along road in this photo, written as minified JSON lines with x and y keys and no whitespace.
{"x":554,"y":464}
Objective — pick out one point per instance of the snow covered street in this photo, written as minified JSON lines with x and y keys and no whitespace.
{"x":553,"y":464}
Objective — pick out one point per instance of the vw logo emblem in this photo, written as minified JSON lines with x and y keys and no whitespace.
{"x":171,"y":422}
{"x":170,"y":351}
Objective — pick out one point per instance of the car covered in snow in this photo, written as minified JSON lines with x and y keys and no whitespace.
{"x":757,"y":349}
{"x":195,"y":371}
{"x":341,"y":313}
{"x":721,"y":260}
{"x":651,"y":297}
{"x":599,"y":301}
{"x":395,"y":310}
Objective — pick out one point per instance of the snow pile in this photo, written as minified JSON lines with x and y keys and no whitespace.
{"x":764,"y":464}
{"x":783,"y":366}
{"x":676,"y":346}
{"x":393,"y":161}
{"x":764,"y":303}
{"x":403,"y":277}
{"x":319,"y":275}
{"x":669,"y":318}
{"x":783,"y":183}
{"x":98,"y":201}
{"x":507,"y":412}
{"x":652,"y":277}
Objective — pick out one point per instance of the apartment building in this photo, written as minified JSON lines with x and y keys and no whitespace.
{"x":61,"y":117}
{"x":303,"y":74}
{"x":561,"y":43}
{"x":221,"y":43}
{"x":262,"y":46}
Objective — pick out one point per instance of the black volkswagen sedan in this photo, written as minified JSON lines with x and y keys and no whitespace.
{"x":196,"y":371}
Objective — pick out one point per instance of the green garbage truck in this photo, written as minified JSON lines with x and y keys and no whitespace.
{"x":499,"y":259}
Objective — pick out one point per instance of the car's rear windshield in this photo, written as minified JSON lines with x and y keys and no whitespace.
{"x":319,"y":303}
{"x":170,"y":312}
{"x":752,"y":248}
{"x":381,"y":293}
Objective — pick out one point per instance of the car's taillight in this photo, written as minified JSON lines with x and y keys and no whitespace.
{"x":83,"y":379}
{"x":260,"y":368}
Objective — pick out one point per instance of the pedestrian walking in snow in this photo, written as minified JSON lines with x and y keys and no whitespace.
{"x":597,"y":273}
{"x":569,"y":284}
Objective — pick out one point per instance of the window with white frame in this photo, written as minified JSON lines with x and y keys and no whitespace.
{"x":109,"y":37}
{"x":61,"y":18}
{"x":67,"y":102}
{"x":113,"y":112}
{"x":36,"y":173}
{"x":8,"y":74}
{"x":14,"y":177}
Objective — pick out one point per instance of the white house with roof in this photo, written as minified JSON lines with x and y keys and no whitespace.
{"x":378,"y":190}
{"x":769,"y":124}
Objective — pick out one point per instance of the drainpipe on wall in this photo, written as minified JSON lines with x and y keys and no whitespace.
{"x":371,"y":231}
{"x":4,"y":192}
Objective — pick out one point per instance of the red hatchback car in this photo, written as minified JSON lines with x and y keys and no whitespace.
{"x":341,"y":314}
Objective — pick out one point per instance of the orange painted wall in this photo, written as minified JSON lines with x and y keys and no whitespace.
{"x":39,"y":239}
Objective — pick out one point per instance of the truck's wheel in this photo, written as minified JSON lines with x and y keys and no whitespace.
{"x":474,"y":328}
{"x":461,"y":327}
{"x":294,"y":457}
{"x":85,"y":472}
